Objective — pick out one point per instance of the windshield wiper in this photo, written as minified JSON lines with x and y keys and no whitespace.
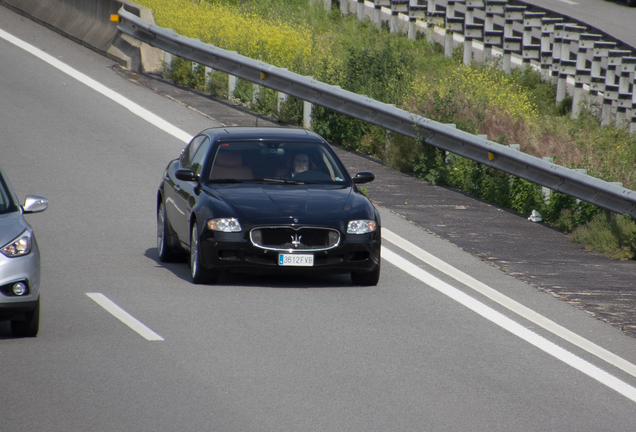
{"x":227,"y":180}
{"x":278,"y":180}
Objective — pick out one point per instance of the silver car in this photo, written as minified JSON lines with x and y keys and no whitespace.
{"x":19,"y":262}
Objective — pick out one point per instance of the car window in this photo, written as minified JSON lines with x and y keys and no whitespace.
{"x":199,"y":156}
{"x":7,"y":204}
{"x":190,"y":150}
{"x":269,"y":160}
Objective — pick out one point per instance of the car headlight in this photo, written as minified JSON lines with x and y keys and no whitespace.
{"x":224,"y":224}
{"x":361,"y":226}
{"x":18,"y":247}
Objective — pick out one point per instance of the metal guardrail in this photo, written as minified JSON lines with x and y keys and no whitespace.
{"x":488,"y":153}
{"x":569,"y":53}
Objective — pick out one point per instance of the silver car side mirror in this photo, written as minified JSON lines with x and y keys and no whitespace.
{"x":35,"y":204}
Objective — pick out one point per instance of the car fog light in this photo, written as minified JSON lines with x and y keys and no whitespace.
{"x":19,"y":288}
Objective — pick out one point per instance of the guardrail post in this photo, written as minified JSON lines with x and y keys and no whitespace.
{"x":597,"y":82}
{"x":377,"y":11}
{"x":256,"y":93}
{"x":307,"y":111}
{"x":434,"y":18}
{"x":281,"y":99}
{"x":360,"y":10}
{"x":208,"y":75}
{"x":556,"y":60}
{"x":417,"y":11}
{"x":583,"y":73}
{"x":453,"y":24}
{"x":232,"y":82}
{"x":344,"y":7}
{"x":625,"y":91}
{"x":492,"y":37}
{"x":610,"y":100}
{"x":472,"y":30}
{"x":547,"y":191}
{"x":326,"y":3}
{"x":567,"y":66}
{"x":547,"y":47}
{"x":531,"y":50}
{"x":167,"y":58}
{"x":512,"y":43}
{"x":397,"y":7}
{"x":632,"y":125}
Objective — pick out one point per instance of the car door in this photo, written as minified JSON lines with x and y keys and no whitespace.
{"x":179,"y":193}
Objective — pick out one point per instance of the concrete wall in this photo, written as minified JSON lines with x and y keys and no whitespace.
{"x":88,"y":22}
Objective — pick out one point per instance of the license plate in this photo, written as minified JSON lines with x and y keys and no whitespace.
{"x":295,"y":260}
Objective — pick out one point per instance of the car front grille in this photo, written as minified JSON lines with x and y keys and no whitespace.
{"x":297,"y":239}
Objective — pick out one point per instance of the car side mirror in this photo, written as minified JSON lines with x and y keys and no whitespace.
{"x":186,"y":175}
{"x":363,"y":177}
{"x":35,"y":204}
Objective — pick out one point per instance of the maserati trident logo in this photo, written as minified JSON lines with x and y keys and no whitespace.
{"x":296,"y":240}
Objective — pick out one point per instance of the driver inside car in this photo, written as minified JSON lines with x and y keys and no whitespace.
{"x":300,"y":164}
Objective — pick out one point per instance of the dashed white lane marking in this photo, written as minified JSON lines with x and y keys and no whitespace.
{"x":124,"y":316}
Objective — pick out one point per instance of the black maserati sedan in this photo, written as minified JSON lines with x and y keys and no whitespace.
{"x":265,"y":200}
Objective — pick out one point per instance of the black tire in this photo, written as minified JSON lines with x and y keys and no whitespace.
{"x":631,"y":3}
{"x":366,"y":279}
{"x":200,"y":275}
{"x":164,"y":251}
{"x":30,"y":326}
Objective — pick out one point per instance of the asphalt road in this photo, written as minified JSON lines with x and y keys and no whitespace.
{"x":613,"y":17}
{"x":421,"y":351}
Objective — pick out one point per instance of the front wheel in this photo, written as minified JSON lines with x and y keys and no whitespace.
{"x":366,"y":279}
{"x":31,"y":324}
{"x":200,"y":275}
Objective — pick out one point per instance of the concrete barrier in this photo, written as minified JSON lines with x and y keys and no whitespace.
{"x":88,"y":22}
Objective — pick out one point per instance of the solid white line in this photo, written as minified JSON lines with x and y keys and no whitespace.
{"x":124,"y":316}
{"x":511,"y":326}
{"x":100,"y":88}
{"x":510,"y":304}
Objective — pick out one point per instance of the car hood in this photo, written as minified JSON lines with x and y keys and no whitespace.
{"x":260,"y":202}
{"x":11,"y":226}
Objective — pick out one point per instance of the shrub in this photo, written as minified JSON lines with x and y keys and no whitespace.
{"x":608,"y":233}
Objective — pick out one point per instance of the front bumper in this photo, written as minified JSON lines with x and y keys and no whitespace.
{"x":235,"y":253}
{"x":24,"y":269}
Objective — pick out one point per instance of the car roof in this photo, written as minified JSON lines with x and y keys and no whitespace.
{"x":265,"y":133}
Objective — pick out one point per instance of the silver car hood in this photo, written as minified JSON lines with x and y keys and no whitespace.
{"x":11,"y":226}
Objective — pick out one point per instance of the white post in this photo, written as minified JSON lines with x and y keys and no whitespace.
{"x":232,"y":82}
{"x":282,"y":98}
{"x":307,"y":109}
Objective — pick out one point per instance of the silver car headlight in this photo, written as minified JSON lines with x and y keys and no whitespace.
{"x":224,"y":225}
{"x":363,"y":226}
{"x":18,"y":247}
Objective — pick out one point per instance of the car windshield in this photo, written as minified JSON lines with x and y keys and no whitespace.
{"x":284,"y":163}
{"x":7,"y":204}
